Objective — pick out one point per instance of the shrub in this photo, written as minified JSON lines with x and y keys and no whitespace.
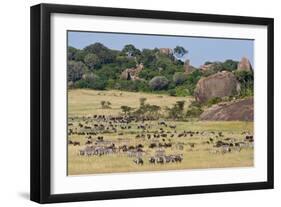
{"x":182,"y":91}
{"x":246,"y":80}
{"x":126,"y":85}
{"x":158,"y":83}
{"x":92,"y":81}
{"x":176,"y":112}
{"x":213,"y":101}
{"x":75,"y":70}
{"x":148,"y":73}
{"x":142,"y":101}
{"x":80,"y":55}
{"x":105,"y":104}
{"x":148,"y":111}
{"x":230,"y":65}
{"x":91,"y":60}
{"x":179,"y":78}
{"x":172,"y":92}
{"x":126,"y":109}
{"x":194,"y":112}
{"x":71,"y":51}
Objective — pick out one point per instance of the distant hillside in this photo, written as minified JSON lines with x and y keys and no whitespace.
{"x":158,"y":70}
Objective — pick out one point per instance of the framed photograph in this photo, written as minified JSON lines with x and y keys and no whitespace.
{"x":132,"y":103}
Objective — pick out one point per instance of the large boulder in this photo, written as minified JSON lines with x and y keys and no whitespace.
{"x":132,"y":73}
{"x":220,"y":85}
{"x":166,"y":51}
{"x":187,"y":67}
{"x":239,"y":110}
{"x":244,"y":64}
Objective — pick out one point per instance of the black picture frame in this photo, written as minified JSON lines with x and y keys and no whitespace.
{"x":41,"y":98}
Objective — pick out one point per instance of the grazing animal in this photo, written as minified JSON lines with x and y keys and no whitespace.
{"x":152,"y":160}
{"x":152,"y":145}
{"x":75,"y":143}
{"x":88,"y":142}
{"x":138,"y":161}
{"x":173,"y":126}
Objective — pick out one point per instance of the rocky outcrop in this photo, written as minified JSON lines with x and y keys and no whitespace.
{"x":220,"y":84}
{"x":166,"y":51}
{"x":187,"y":67}
{"x":206,"y":67}
{"x":245,"y":64}
{"x":132,"y":73}
{"x":239,"y":110}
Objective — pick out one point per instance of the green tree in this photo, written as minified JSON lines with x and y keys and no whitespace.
{"x":130,"y":50}
{"x":246,"y":80}
{"x":92,"y":81}
{"x":75,"y":70}
{"x":126,"y":109}
{"x":180,"y":51}
{"x":104,"y":54}
{"x":230,"y":65}
{"x":142,"y":101}
{"x":148,"y":58}
{"x":179,"y":78}
{"x":158,"y":83}
{"x":176,"y":112}
{"x":80,"y":55}
{"x":105,"y":104}
{"x":91,"y":60}
{"x":71,"y":51}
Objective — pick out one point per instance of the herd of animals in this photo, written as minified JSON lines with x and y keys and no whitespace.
{"x":146,"y":141}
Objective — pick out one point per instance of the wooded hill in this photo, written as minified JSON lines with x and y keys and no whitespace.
{"x":158,"y":70}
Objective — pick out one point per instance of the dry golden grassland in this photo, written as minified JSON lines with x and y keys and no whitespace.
{"x":87,"y":103}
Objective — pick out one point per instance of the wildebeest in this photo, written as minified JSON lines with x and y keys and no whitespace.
{"x":76,"y":143}
{"x":152,"y":160}
{"x":138,"y":161}
{"x":152,"y":145}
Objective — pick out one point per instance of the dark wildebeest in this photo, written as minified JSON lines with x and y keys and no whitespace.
{"x":152,"y":160}
{"x":75,"y":143}
{"x":138,"y":161}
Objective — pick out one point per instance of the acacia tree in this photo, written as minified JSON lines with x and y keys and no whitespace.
{"x":176,"y":112}
{"x":179,"y":52}
{"x":126,"y":109}
{"x":142,"y":101}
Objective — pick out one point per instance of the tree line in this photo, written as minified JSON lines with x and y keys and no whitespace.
{"x":99,"y":67}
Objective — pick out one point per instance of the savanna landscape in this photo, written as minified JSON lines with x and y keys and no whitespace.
{"x":133,"y":110}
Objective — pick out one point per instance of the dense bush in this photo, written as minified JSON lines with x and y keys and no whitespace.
{"x":91,"y":60}
{"x":162,"y":73}
{"x":92,"y":81}
{"x":71,"y":51}
{"x":230,"y":65}
{"x":194,"y":112}
{"x":104,"y":54}
{"x":172,"y":92}
{"x":177,"y":111}
{"x":158,"y":83}
{"x":213,"y":101}
{"x":182,"y":91}
{"x":179,"y":78}
{"x":246,"y":80}
{"x":75,"y":70}
{"x":148,"y":73}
